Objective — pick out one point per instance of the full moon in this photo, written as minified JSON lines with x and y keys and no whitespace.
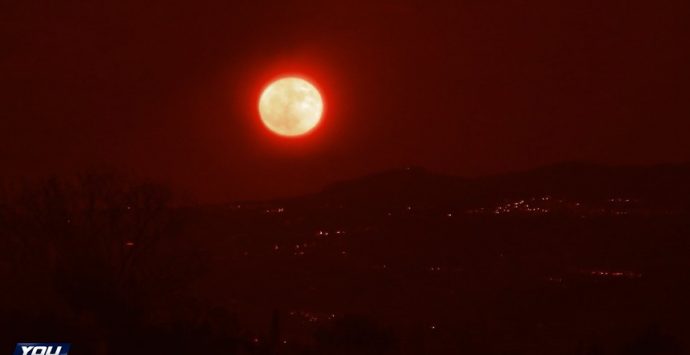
{"x":290,"y":106}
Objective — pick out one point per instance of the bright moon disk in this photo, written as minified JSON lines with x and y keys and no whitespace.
{"x":290,"y":106}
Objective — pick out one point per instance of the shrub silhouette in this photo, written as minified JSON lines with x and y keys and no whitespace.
{"x":355,"y":335}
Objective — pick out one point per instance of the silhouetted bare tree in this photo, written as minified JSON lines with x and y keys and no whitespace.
{"x":99,"y":250}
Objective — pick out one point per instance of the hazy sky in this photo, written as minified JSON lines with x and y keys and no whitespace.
{"x":168,"y":90}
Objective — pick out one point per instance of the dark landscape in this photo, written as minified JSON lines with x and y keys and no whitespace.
{"x":566,"y":259}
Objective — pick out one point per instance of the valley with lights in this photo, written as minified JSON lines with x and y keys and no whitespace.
{"x":542,"y":266}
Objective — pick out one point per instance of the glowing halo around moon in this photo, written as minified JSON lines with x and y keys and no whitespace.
{"x":290,"y":106}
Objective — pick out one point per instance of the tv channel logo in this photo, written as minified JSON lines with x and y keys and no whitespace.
{"x":42,"y":349}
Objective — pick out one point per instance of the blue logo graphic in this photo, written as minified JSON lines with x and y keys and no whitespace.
{"x":42,"y":349}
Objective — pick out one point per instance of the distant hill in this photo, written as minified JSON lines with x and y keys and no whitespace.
{"x":657,"y":185}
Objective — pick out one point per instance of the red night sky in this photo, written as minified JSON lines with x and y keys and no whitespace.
{"x":167,"y":90}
